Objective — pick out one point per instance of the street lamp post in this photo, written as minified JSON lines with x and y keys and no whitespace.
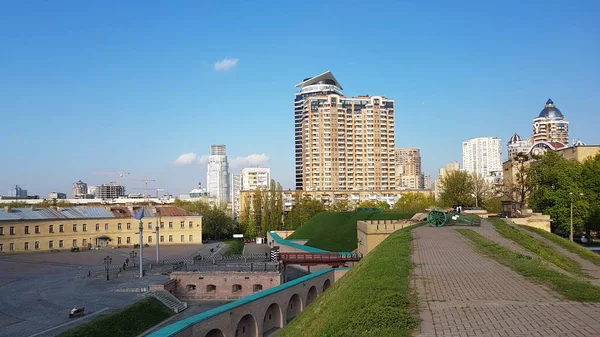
{"x":107,"y":262}
{"x":133,"y":255}
{"x":157,"y":236}
{"x":571,"y":227}
{"x":141,"y":248}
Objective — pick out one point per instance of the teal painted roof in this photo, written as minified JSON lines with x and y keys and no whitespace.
{"x":292,"y":244}
{"x":177,"y":327}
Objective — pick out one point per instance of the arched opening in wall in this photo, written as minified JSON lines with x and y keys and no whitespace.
{"x":211,"y":288}
{"x":294,"y":308}
{"x":236,"y":288}
{"x":246,"y":327}
{"x":326,"y":285}
{"x":272,"y":320}
{"x":215,"y":333}
{"x":190,"y":288}
{"x":256,"y":288}
{"x":312,"y":294}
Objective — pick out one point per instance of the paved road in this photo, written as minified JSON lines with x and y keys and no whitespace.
{"x":463,"y":293}
{"x":38,"y":290}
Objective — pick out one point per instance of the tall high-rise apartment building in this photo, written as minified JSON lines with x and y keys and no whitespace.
{"x":426,"y":185}
{"x":80,"y":189}
{"x":217,"y":175}
{"x":253,"y":177}
{"x":408,"y":168}
{"x":109,"y":191}
{"x":342,"y":143}
{"x":236,"y":189}
{"x":482,"y":156}
{"x":550,"y":126}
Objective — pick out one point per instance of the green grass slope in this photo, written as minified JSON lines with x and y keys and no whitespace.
{"x":336,"y":231}
{"x":128,"y":322}
{"x":372,"y":299}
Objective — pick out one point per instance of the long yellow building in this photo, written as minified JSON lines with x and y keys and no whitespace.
{"x":56,"y":228}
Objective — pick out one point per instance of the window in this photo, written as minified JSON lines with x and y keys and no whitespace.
{"x":149,"y":238}
{"x":12,"y":230}
{"x":97,"y":226}
{"x":119,"y":226}
{"x":84,"y":242}
{"x":26,"y":229}
{"x":128,"y":239}
{"x":11,"y":247}
{"x":182,"y":238}
{"x":191,"y":224}
{"x":182,"y":224}
{"x":50,"y":244}
{"x":50,"y":229}
{"x":61,"y":228}
{"x":211,"y":288}
{"x":75,"y":228}
{"x":84,"y":227}
{"x":36,"y":245}
{"x":236,"y":288}
{"x":149,"y":225}
{"x":257,"y":288}
{"x":26,"y":246}
{"x":190,"y":288}
{"x":162,"y":224}
{"x":170,"y":224}
{"x":128,"y":225}
{"x":37,"y":229}
{"x":170,"y":238}
{"x":162,"y":238}
{"x":105,"y":226}
{"x":1,"y":230}
{"x":191,"y":238}
{"x":1,"y":247}
{"x":74,"y":242}
{"x":118,"y":240}
{"x":61,"y":244}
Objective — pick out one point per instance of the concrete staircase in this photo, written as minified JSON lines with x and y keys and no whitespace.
{"x":169,"y":300}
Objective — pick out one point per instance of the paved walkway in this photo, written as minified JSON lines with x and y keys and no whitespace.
{"x":462,"y":293}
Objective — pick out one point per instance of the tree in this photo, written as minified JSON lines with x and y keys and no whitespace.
{"x":520,"y":187}
{"x":556,"y":182}
{"x":278,"y":210}
{"x":482,"y":189}
{"x":257,"y":209}
{"x":413,"y":202}
{"x":216,"y":224}
{"x":302,"y":211}
{"x":245,"y":216}
{"x":340,"y":206}
{"x":367,"y":204}
{"x":590,"y":181}
{"x":384,"y":205}
{"x":457,"y":189}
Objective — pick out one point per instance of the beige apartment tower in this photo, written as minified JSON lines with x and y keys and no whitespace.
{"x":343,"y":143}
{"x":408,"y":168}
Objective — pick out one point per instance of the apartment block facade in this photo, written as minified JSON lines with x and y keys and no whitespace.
{"x":253,"y":177}
{"x":408,"y":168}
{"x":482,"y":156}
{"x":343,"y":143}
{"x":48,"y":229}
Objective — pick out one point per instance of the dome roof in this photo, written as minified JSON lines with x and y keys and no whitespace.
{"x":550,"y":111}
{"x":515,"y":139}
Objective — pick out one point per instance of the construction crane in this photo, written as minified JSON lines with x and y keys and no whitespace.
{"x":120,"y":173}
{"x":146,"y":181}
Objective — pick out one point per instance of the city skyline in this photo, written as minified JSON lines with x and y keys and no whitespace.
{"x":161,"y":103}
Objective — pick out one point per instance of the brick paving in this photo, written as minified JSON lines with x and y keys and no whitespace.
{"x":462,"y":293}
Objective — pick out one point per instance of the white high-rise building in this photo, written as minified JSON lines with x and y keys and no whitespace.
{"x":236,"y":189}
{"x":253,"y":177}
{"x":217,"y":175}
{"x":483,"y":156}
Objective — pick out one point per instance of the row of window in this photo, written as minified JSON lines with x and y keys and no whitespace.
{"x":84,"y":228}
{"x":211,"y":288}
{"x":84,"y":242}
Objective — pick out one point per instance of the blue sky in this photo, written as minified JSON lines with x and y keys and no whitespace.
{"x":104,"y":86}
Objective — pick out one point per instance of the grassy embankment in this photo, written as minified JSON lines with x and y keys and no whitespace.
{"x":568,"y":245}
{"x":234,"y":247}
{"x":538,"y":247}
{"x":131,"y":321}
{"x":372,"y":299}
{"x":571,"y":288}
{"x":336,"y":231}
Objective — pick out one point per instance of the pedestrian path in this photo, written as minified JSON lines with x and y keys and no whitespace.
{"x":463,"y":293}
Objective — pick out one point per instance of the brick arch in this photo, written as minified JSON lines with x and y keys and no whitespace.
{"x":215,"y":333}
{"x":294,"y":307}
{"x":311,"y":295}
{"x":273,"y":319}
{"x":246,"y":327}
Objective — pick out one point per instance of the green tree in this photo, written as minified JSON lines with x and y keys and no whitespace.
{"x":482,"y":189}
{"x":277,"y":207}
{"x":556,"y":183}
{"x":457,"y":188}
{"x":520,"y":187}
{"x":216,"y":224}
{"x":590,"y":183}
{"x":493,"y":204}
{"x":384,"y":205}
{"x":303,"y":210}
{"x":368,"y":204}
{"x":340,"y":206}
{"x":257,"y":210}
{"x":413,"y":202}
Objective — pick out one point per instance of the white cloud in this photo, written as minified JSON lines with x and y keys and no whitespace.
{"x":203,"y":160}
{"x":226,"y":64}
{"x":251,"y":160}
{"x":185,"y":159}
